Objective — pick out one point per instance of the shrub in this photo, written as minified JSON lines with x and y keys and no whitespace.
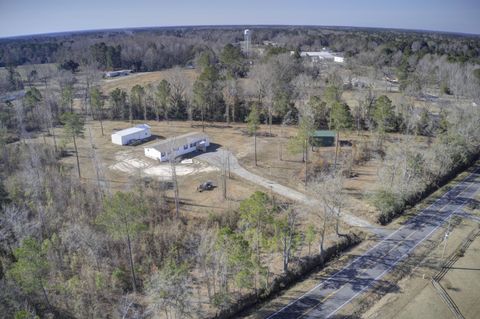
{"x":388,"y":204}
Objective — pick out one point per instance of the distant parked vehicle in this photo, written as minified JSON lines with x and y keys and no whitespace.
{"x":205,"y":186}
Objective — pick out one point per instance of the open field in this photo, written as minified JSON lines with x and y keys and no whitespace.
{"x":144,"y":78}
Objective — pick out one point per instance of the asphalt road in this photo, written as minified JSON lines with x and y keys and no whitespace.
{"x":332,"y":293}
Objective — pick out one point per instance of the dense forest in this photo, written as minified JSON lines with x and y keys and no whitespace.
{"x":72,"y":248}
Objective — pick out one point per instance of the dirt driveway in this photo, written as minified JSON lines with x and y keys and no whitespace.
{"x":221,"y":156}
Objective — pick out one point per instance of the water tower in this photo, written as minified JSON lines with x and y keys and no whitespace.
{"x":247,"y":41}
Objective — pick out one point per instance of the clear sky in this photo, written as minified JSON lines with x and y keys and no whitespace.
{"x":20,"y":17}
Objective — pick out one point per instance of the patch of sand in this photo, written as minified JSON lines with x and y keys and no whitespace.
{"x":128,"y":162}
{"x":164,"y":171}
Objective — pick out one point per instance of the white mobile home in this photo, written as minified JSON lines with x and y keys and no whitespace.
{"x":180,"y":145}
{"x":138,"y":132}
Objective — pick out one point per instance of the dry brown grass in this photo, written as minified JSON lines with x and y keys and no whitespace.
{"x":144,"y":78}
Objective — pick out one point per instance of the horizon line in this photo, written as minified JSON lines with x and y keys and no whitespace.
{"x":119,"y":29}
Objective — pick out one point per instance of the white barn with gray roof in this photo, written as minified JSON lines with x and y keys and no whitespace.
{"x":179,"y":145}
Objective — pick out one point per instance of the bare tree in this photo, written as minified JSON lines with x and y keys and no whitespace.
{"x":230,"y":95}
{"x":178,"y":85}
{"x":127,"y":308}
{"x":328,"y":189}
{"x":262,"y":76}
{"x":92,"y":76}
{"x":287,"y":235}
{"x":225,"y":155}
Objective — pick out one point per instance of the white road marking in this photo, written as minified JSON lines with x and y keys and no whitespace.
{"x":399,"y":259}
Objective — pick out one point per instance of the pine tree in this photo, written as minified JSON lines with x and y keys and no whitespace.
{"x":31,"y":268}
{"x":123,"y":219}
{"x":74,"y":128}
{"x":341,"y":119}
{"x":253,"y":123}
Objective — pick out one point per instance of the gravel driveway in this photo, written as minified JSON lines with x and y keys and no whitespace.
{"x":216,"y":157}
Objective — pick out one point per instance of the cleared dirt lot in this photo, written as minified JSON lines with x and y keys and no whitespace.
{"x":120,"y":163}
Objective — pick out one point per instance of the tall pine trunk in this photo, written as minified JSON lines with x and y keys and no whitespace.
{"x":130,"y":113}
{"x":337,"y":144}
{"x":175,"y":185}
{"x":45,"y":295}
{"x":76,"y":154}
{"x":227,"y":112}
{"x":306,"y":162}
{"x":54,"y":139}
{"x":255,"y":146}
{"x":322,"y":237}
{"x":134,"y":279}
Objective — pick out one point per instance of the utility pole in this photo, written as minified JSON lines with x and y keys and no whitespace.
{"x":174,"y":176}
{"x":228,"y":163}
{"x":306,"y":162}
{"x":224,"y":175}
{"x":272,"y":196}
{"x":445,"y":238}
{"x":255,"y":146}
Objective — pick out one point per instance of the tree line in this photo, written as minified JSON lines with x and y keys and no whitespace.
{"x":154,"y":49}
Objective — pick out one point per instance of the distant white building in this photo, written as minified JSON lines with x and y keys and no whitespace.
{"x":112,"y":74}
{"x":125,"y":136}
{"x":180,"y":145}
{"x":317,"y":56}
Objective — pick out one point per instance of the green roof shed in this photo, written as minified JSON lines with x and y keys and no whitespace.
{"x":323,"y":138}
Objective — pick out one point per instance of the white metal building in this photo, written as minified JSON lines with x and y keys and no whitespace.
{"x":180,"y":145}
{"x":112,"y":74}
{"x":317,"y":56}
{"x":138,"y":132}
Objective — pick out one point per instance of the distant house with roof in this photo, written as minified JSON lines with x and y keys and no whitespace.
{"x":124,"y":137}
{"x":177,"y":146}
